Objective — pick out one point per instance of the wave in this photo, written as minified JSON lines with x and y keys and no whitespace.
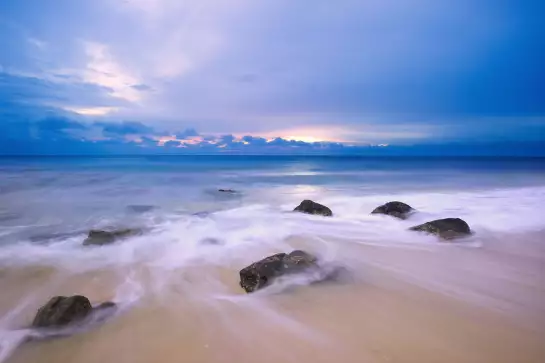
{"x":180,"y":239}
{"x":202,"y":253}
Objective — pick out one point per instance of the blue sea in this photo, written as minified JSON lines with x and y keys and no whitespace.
{"x":50,"y":195}
{"x":183,"y":271}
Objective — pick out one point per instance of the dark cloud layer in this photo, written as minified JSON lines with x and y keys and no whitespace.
{"x":60,"y":135}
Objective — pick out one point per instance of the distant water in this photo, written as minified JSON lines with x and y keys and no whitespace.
{"x":48,"y":204}
{"x":50,"y":195}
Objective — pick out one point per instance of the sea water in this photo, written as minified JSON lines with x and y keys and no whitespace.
{"x":404,"y":296}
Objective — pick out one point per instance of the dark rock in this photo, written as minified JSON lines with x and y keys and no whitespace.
{"x":226,"y":190}
{"x":99,"y":237}
{"x":262,"y":273}
{"x":447,"y":228}
{"x":310,"y":207}
{"x":395,"y":209}
{"x":65,"y":316}
{"x":61,"y":311}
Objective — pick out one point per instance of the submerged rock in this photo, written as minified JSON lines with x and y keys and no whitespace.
{"x":310,"y":207}
{"x":60,"y":311}
{"x":262,"y":273}
{"x":105,"y":305}
{"x":100,"y":237}
{"x":447,"y":228}
{"x":140,"y":208}
{"x":395,"y":209}
{"x":210,"y":241}
{"x":226,"y":191}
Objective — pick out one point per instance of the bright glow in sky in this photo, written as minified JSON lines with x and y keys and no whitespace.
{"x":352,"y":71}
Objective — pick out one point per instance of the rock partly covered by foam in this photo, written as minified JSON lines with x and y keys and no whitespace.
{"x":263,"y":272}
{"x":100,"y":237}
{"x":447,"y":228}
{"x":60,"y":311}
{"x":394,"y":209}
{"x":310,"y":207}
{"x":63,"y":312}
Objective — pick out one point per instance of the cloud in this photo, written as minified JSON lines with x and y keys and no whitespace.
{"x":125,"y":128}
{"x":33,"y":91}
{"x":354,"y":72}
{"x":103,"y":69}
{"x":62,"y":135}
{"x":91,"y":111}
{"x":187,"y":133}
{"x":39,"y":44}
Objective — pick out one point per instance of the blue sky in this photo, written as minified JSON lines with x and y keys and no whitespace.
{"x":272,"y":76}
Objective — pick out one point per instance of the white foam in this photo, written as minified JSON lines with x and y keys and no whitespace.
{"x":248,"y":233}
{"x":250,"y":230}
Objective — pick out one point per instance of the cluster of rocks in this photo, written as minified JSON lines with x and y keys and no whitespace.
{"x":447,"y":228}
{"x":61,"y":311}
{"x":262,"y":273}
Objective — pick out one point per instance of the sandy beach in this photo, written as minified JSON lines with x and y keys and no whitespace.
{"x":439,"y":304}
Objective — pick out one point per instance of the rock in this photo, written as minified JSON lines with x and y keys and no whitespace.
{"x":310,"y":207}
{"x":61,"y":311}
{"x":202,"y":214}
{"x":140,"y":208}
{"x":262,"y":273}
{"x":226,"y":190}
{"x":447,"y":228}
{"x":211,"y":241}
{"x":395,"y":209}
{"x":99,"y":237}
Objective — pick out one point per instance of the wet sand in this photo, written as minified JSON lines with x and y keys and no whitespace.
{"x":422,"y":304}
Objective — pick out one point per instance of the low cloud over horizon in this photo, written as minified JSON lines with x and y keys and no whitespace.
{"x":274,"y":76}
{"x":60,"y":135}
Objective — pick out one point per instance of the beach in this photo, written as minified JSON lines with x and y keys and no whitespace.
{"x":401,"y":296}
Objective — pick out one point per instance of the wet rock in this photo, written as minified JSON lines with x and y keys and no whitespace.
{"x":65,"y":316}
{"x":61,"y":311}
{"x":262,"y":273}
{"x":100,"y":237}
{"x":395,"y":209}
{"x":310,"y":207}
{"x":447,"y":228}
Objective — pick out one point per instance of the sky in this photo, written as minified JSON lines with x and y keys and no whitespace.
{"x":272,"y":76}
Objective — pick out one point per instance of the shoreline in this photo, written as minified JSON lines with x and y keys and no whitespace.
{"x":383,"y":311}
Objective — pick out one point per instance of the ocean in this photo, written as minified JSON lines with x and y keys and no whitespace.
{"x":403,"y":296}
